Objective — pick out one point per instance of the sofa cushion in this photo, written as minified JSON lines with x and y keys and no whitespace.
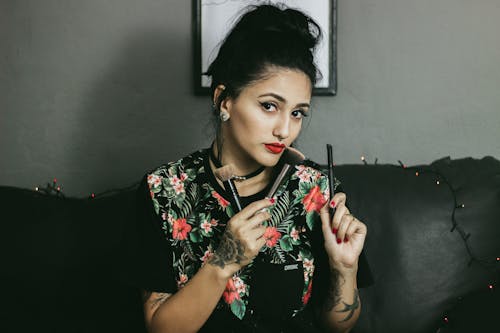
{"x":420,"y":267}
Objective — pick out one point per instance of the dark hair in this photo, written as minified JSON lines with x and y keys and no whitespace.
{"x":265,"y":36}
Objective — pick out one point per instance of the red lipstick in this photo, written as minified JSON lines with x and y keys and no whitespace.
{"x":275,"y":147}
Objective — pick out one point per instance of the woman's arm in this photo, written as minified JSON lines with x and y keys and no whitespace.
{"x":344,"y":239}
{"x":189,"y":308}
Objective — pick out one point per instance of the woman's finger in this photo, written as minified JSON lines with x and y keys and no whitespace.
{"x":253,"y":208}
{"x":257,"y":219}
{"x":337,"y":199}
{"x":337,"y":216}
{"x":344,"y":225}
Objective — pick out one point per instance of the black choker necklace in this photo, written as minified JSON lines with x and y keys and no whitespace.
{"x":218,"y":164}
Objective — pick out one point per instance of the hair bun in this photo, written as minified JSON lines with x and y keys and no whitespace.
{"x":290,"y":23}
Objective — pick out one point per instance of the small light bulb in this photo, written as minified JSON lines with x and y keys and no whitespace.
{"x":498,"y":258}
{"x":416,"y":173}
{"x":437,"y":182}
{"x":58,"y":188}
{"x":55,"y":180}
{"x":490,"y":287}
{"x":445,"y":319}
{"x":92,"y":195}
{"x":463,"y":205}
{"x":362,"y":158}
{"x":36,"y":189}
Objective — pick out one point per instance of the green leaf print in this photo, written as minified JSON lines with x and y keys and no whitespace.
{"x":238,"y":307}
{"x":305,"y":187}
{"x":286,"y":243}
{"x":311,"y":219}
{"x":195,"y":235}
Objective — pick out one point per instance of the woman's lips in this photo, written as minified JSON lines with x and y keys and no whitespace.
{"x":275,"y":148}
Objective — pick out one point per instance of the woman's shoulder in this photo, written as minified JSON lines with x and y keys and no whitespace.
{"x":179,"y":171}
{"x":193,"y":161}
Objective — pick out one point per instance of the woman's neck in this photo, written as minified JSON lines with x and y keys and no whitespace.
{"x":251,"y":185}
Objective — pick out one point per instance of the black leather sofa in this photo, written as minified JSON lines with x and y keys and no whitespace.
{"x":433,"y":260}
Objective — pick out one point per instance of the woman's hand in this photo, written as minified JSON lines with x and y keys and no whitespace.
{"x":243,"y":237}
{"x":344,"y":235}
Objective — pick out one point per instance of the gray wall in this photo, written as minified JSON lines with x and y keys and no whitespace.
{"x":96,"y":93}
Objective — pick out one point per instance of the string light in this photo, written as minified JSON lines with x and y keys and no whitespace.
{"x":437,"y":182}
{"x":416,"y":173}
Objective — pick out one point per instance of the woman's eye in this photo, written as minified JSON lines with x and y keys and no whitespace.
{"x":269,"y":107}
{"x":299,"y":114}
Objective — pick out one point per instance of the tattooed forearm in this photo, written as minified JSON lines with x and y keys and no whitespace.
{"x":230,"y":251}
{"x":333,"y":294}
{"x":350,"y":308}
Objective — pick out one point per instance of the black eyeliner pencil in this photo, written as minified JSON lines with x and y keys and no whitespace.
{"x":331,"y":178}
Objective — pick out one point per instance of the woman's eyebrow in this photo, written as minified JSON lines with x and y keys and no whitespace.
{"x":283,"y":100}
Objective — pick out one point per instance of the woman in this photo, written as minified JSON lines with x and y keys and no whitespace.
{"x":254,"y":270}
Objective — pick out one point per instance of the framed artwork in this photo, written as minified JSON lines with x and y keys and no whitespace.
{"x":212,"y":19}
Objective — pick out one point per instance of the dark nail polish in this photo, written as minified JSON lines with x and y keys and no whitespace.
{"x":272,"y":200}
{"x":333,"y":204}
{"x":339,"y":241}
{"x":335,"y":230}
{"x":346,"y":240}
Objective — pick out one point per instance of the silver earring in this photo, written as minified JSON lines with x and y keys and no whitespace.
{"x":224,"y":116}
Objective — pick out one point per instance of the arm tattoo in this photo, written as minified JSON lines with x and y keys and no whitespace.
{"x":350,"y":308}
{"x":333,"y":293}
{"x":230,"y":251}
{"x":333,"y":297}
{"x":158,"y":300}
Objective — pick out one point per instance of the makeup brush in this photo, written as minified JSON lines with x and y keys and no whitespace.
{"x":290,"y":158}
{"x":225,"y":175}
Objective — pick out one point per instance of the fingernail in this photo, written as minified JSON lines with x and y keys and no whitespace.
{"x":335,"y":230}
{"x":346,"y":240}
{"x":339,"y":241}
{"x":272,"y":200}
{"x":333,"y":204}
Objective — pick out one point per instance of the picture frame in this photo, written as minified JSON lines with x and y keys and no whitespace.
{"x":212,"y":19}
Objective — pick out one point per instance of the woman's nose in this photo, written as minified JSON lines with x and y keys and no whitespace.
{"x":282,"y":128}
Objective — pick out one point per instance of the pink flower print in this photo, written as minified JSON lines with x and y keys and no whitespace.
{"x":239,"y":285}
{"x":214,"y":222}
{"x":154,"y":181}
{"x":207,"y":226}
{"x":308,"y":268}
{"x":179,"y":188}
{"x":222,"y":202}
{"x":183,"y":177}
{"x":294,"y":234}
{"x":303,"y":173}
{"x":206,"y":256}
{"x":183,"y":278}
{"x":164,"y":216}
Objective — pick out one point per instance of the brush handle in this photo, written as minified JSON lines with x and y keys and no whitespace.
{"x":278,"y":181}
{"x":229,"y":186}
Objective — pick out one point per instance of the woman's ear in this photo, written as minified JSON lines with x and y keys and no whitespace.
{"x":220,"y":99}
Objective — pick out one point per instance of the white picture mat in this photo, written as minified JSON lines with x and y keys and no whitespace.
{"x":218,"y":16}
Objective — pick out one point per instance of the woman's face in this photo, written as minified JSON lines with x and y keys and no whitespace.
{"x":265,"y":118}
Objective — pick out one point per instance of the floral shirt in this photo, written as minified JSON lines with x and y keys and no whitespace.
{"x":193,"y":211}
